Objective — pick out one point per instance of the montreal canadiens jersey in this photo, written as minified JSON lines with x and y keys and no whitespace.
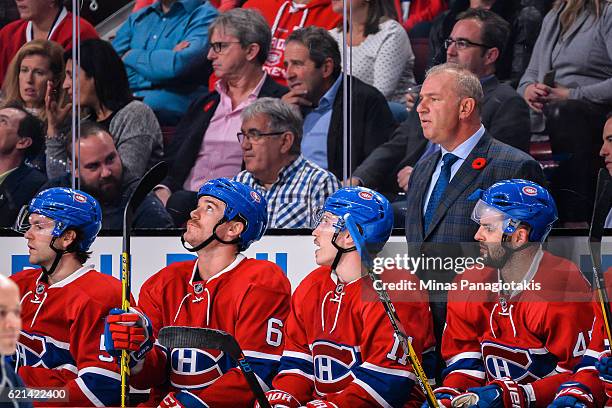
{"x":249,"y":300}
{"x":340,"y":345}
{"x":61,"y":342}
{"x":585,"y":372}
{"x":529,"y":335}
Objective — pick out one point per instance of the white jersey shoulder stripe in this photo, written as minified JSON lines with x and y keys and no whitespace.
{"x":460,"y":356}
{"x":100,"y":371}
{"x":389,"y":371}
{"x":298,"y":372}
{"x":297,"y":354}
{"x":258,"y":354}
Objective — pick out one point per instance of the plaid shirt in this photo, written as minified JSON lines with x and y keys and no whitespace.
{"x":300,"y":190}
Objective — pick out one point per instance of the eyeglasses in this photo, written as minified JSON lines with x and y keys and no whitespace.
{"x":255,"y":136}
{"x":462,"y":44}
{"x":219,"y":47}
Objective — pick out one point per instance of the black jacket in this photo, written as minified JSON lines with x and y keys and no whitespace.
{"x":17,"y":190}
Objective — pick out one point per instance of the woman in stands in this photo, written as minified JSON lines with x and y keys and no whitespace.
{"x":568,"y":86}
{"x":36,"y":63}
{"x":379,"y":47}
{"x":105,"y":97}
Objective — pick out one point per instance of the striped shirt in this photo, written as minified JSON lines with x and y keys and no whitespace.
{"x":300,"y":190}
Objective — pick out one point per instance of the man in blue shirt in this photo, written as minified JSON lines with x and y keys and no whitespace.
{"x":163,"y":47}
{"x":312,"y":61}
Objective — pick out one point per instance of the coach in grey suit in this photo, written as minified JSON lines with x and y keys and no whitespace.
{"x":450,"y":116}
{"x":475,"y":43}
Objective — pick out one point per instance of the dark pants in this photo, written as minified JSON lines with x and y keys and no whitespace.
{"x":575,"y":130}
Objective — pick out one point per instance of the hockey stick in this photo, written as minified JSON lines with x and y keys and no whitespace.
{"x":151,"y":178}
{"x":603,"y":201}
{"x":204,"y":338}
{"x":398,"y":328}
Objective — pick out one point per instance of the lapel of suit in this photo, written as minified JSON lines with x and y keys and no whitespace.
{"x":463,"y":179}
{"x":423,"y":186}
{"x":11,"y":183}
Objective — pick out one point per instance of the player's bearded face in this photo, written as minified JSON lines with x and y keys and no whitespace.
{"x":203,"y":220}
{"x":489,"y":235}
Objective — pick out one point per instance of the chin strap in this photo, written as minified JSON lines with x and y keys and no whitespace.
{"x":340,"y":252}
{"x":210,"y":239}
{"x":58,"y":256}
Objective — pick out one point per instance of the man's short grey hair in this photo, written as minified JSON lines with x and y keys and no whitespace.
{"x":467,"y":84}
{"x":248,"y":26}
{"x":282,"y":117}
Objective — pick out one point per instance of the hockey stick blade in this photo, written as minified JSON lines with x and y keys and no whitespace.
{"x":205,"y":338}
{"x":151,"y":178}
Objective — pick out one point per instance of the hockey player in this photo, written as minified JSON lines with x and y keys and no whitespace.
{"x":513,"y":347}
{"x":221,"y":289}
{"x":340,"y":348}
{"x":64,"y":302}
{"x":586,"y":388}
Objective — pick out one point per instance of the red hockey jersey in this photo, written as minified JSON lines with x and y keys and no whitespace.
{"x":527,"y":335}
{"x":340,"y":345}
{"x":285,"y":16}
{"x":62,"y":336}
{"x":14,"y":35}
{"x":249,"y":300}
{"x":585,"y":372}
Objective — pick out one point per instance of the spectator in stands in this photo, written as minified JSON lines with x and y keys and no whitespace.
{"x":100,"y":173}
{"x":205,"y":146}
{"x":106,"y":98}
{"x":35,"y":64}
{"x":221,"y":5}
{"x":312,"y":61}
{"x":21,"y":138}
{"x":525,"y":18}
{"x":380,"y":50}
{"x":606,"y":153}
{"x":8,"y":12}
{"x":421,"y":14}
{"x":575,"y":44}
{"x":503,"y":112}
{"x":284,"y":16}
{"x":163,"y":47}
{"x":40,"y":20}
{"x":294,"y":188}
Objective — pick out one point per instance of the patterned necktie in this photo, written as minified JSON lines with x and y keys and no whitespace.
{"x":438,"y":191}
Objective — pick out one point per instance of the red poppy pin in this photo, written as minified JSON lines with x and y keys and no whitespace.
{"x":479,"y":163}
{"x":208,"y":106}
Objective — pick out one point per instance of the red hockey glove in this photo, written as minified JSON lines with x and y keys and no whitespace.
{"x":572,"y":394}
{"x":280,"y":399}
{"x":320,"y":404}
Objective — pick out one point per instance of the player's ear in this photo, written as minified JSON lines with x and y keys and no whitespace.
{"x":346,"y":239}
{"x":235,"y":229}
{"x":66,"y":239}
{"x":522,"y":235}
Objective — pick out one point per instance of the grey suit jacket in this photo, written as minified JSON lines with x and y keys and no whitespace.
{"x":504,"y":114}
{"x":451,"y":222}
